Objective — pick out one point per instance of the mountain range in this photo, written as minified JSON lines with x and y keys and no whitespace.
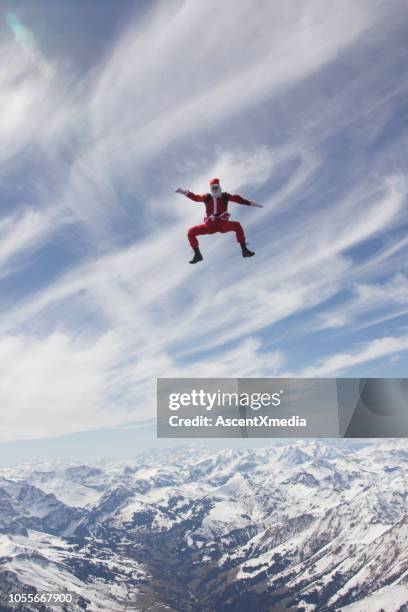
{"x":306,"y":526}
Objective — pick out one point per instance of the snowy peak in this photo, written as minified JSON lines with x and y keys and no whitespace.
{"x":306,"y":526}
{"x":294,"y":456}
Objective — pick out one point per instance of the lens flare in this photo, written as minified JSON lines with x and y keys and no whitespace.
{"x":27,"y":41}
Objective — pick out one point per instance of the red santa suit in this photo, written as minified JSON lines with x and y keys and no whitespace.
{"x":217,"y":216}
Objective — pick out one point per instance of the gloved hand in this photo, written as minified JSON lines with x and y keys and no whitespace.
{"x":182,"y":191}
{"x":256,"y":204}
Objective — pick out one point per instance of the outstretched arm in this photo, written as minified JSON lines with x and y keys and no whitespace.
{"x":193,"y":196}
{"x":240,"y":200}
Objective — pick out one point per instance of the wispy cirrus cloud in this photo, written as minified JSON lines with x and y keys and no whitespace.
{"x":337,"y":364}
{"x":369,"y":303}
{"x":277,"y":101}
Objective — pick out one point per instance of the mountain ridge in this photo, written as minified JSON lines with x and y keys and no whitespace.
{"x":308,"y":526}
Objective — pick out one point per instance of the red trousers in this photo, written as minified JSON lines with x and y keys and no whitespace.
{"x":213,"y":227}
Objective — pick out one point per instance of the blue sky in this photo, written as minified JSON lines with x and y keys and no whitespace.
{"x":106,"y":108}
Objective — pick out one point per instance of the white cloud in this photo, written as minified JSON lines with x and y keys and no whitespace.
{"x":369,"y":300}
{"x":340,"y":363}
{"x":34,"y":107}
{"x":125,"y":314}
{"x":59,"y":384}
{"x":20,"y":234}
{"x":54,"y":385}
{"x":179,"y":91}
{"x":153,"y":330}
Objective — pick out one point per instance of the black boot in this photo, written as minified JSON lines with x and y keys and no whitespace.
{"x":197,"y":256}
{"x":245,"y":251}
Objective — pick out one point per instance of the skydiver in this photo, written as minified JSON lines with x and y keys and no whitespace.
{"x":217,"y":217}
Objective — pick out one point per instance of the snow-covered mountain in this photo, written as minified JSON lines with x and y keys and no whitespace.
{"x":314,"y":525}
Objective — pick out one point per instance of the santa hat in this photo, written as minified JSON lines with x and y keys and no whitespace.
{"x":215,"y":181}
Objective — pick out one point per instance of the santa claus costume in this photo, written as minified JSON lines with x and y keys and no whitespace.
{"x":217,"y":217}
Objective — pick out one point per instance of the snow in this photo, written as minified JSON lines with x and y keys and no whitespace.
{"x":70,"y":493}
{"x":40,"y":560}
{"x":390,"y":599}
{"x":7,"y":546}
{"x":51,"y":546}
{"x":211,"y":494}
